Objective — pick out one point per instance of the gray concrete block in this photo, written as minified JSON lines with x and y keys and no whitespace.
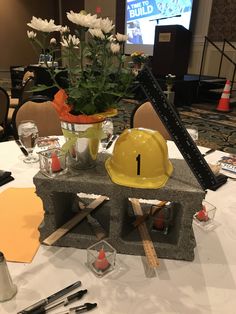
{"x":116,"y":215}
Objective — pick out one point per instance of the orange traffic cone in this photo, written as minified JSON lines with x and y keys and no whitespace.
{"x":224,"y":104}
{"x":101,"y":263}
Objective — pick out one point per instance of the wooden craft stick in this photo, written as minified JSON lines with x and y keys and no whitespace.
{"x":146,"y":239}
{"x":152,"y":211}
{"x":74,"y":221}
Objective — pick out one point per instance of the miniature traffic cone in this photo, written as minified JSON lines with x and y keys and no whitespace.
{"x":224,"y":103}
{"x":56,"y":166}
{"x":202,"y":214}
{"x":101,"y":263}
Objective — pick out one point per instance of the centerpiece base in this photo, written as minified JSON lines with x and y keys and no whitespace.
{"x":116,"y":216}
{"x":82,"y":143}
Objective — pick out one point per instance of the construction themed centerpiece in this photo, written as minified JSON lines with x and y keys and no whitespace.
{"x":138,"y":169}
{"x":93,"y":80}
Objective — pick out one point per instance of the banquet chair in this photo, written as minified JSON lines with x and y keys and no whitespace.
{"x":144,"y":116}
{"x":25,"y":92}
{"x":40,"y":110}
{"x":4,"y":108}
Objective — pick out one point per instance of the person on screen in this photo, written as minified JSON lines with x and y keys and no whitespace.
{"x":135,"y":36}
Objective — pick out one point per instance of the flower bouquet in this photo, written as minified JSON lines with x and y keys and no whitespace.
{"x":94,"y":76}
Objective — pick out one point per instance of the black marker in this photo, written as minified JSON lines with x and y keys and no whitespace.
{"x":68,"y":300}
{"x":212,"y":150}
{"x":42,"y":303}
{"x":24,"y":151}
{"x":82,"y":308}
{"x":111,"y":141}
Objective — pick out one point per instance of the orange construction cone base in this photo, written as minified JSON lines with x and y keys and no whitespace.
{"x":224,"y":103}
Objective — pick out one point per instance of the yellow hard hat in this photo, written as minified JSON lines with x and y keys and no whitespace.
{"x":140,"y":159}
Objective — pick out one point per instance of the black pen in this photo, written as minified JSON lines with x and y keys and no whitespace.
{"x":42,"y":303}
{"x":111,"y":141}
{"x":212,"y":150}
{"x":82,"y":308}
{"x":68,"y":300}
{"x":24,"y":151}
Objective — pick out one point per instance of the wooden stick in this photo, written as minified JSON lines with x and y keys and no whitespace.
{"x":146,"y":239}
{"x":74,"y":221}
{"x":151,"y":212}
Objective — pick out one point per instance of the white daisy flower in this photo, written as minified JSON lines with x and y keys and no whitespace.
{"x":53,"y":41}
{"x":115,"y":48}
{"x":106,"y":25}
{"x":44,"y":25}
{"x":121,"y":37}
{"x":97,"y":32}
{"x":64,"y":29}
{"x":85,"y":20}
{"x":70,"y":41}
{"x":31,"y":34}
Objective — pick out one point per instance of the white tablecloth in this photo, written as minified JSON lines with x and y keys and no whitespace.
{"x":206,"y":285}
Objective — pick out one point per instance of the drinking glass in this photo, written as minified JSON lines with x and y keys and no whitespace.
{"x":28,"y":134}
{"x":108,"y":128}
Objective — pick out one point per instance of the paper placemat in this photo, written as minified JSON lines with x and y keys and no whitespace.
{"x":21,"y":212}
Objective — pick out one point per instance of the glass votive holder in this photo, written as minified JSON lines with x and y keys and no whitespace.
{"x":53,"y":162}
{"x":204,"y":218}
{"x":101,"y":258}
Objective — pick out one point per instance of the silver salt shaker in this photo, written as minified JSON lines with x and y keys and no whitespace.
{"x":7,"y":288}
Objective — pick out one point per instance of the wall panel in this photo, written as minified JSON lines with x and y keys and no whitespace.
{"x":14,"y":15}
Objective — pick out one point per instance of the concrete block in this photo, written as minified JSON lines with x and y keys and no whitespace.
{"x":116,"y":215}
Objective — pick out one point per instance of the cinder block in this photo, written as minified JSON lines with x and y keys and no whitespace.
{"x":116,"y":215}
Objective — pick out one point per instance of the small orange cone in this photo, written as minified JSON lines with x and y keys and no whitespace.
{"x":101,"y":263}
{"x":224,"y":102}
{"x":56,"y":166}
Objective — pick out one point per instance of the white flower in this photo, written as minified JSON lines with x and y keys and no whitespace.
{"x":112,"y":38}
{"x":97,"y":32}
{"x":31,"y":34}
{"x":115,"y":48}
{"x":106,"y":25}
{"x":121,"y":37}
{"x":85,"y":20}
{"x":53,"y":41}
{"x":64,"y":29}
{"x":70,"y":41}
{"x":44,"y":25}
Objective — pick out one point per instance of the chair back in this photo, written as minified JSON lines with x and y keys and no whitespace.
{"x":27,"y":75}
{"x":4,"y":107}
{"x":144,"y":116}
{"x":26,"y":90}
{"x":43,"y":113}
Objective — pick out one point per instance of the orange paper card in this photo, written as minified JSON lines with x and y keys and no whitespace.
{"x":21,"y":212}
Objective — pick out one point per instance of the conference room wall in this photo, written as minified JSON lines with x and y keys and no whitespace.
{"x":16,"y":49}
{"x":14,"y":16}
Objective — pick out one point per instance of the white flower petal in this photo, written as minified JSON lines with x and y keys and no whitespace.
{"x":44,"y":25}
{"x":121,"y":37}
{"x":106,"y":25}
{"x":97,"y":32}
{"x":115,"y":48}
{"x":31,"y":34}
{"x":85,"y":20}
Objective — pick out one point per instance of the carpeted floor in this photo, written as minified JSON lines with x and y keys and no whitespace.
{"x":216,"y":129}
